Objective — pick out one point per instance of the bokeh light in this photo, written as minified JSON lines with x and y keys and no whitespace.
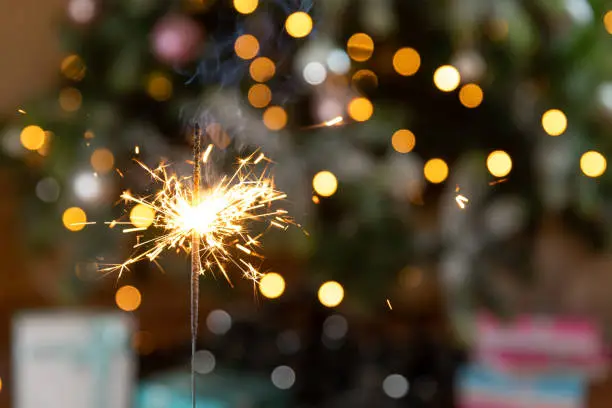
{"x":102,"y":160}
{"x":262,"y":69}
{"x":406,"y":61}
{"x":246,"y":6}
{"x":73,"y":67}
{"x":360,"y":109}
{"x":272,"y":285}
{"x":142,"y":216}
{"x":259,"y":96}
{"x":32,"y":137}
{"x":554,"y":122}
{"x":74,"y":219}
{"x":360,"y":47}
{"x":219,"y":322}
{"x":364,"y":79}
{"x":314,"y":73}
{"x":298,"y":24}
{"x":499,"y":163}
{"x":593,"y":164}
{"x":283,"y":377}
{"x":435,"y":171}
{"x":246,"y":46}
{"x":275,"y":118}
{"x":325,"y":183}
{"x":128,"y":298}
{"x":395,"y":386}
{"x":338,"y":62}
{"x":447,"y":78}
{"x":403,"y":141}
{"x":70,"y":99}
{"x":159,"y":87}
{"x":608,"y":21}
{"x":331,"y":294}
{"x":471,"y":95}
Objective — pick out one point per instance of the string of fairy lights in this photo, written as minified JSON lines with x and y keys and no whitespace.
{"x":406,"y":62}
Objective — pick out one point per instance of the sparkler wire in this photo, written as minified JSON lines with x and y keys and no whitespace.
{"x":195,"y":258}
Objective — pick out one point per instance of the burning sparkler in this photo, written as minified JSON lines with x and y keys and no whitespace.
{"x":211,"y":223}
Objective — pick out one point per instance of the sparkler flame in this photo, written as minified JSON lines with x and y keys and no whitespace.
{"x":219,"y":218}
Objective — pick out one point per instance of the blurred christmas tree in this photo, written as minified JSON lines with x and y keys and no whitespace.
{"x":339,"y":93}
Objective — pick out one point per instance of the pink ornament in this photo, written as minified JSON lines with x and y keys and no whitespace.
{"x":176,"y":39}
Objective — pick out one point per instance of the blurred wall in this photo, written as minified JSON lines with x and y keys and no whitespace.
{"x":29,"y":49}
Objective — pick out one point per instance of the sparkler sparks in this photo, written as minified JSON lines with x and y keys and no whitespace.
{"x":219,"y":218}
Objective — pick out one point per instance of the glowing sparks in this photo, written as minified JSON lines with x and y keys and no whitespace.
{"x":389,"y":304}
{"x":137,"y":150}
{"x":22,"y":111}
{"x":207,"y":153}
{"x":220,"y":220}
{"x":461,"y":201}
{"x":335,"y":121}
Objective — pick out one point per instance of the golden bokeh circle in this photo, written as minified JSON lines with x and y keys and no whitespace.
{"x":74,"y":219}
{"x":403,"y":141}
{"x":593,"y":164}
{"x":102,"y":160}
{"x":32,"y":137}
{"x":499,"y":163}
{"x":70,"y":99}
{"x":275,"y":118}
{"x":360,"y":47}
{"x":259,"y":96}
{"x":262,"y":69}
{"x":272,"y":285}
{"x":360,"y":109}
{"x":471,"y":95}
{"x":128,"y":298}
{"x":298,"y":24}
{"x":435,"y":171}
{"x":331,"y":294}
{"x":246,"y":6}
{"x":554,"y":122}
{"x":447,"y":78}
{"x":406,"y":61}
{"x":246,"y":46}
{"x":142,"y":216}
{"x":325,"y":183}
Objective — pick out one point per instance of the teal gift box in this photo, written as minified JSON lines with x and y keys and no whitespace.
{"x":221,"y":389}
{"x":73,"y":360}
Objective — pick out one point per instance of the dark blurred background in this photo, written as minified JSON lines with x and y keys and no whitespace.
{"x":446,"y":161}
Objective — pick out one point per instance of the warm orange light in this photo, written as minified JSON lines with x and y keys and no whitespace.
{"x":608,"y":21}
{"x":364,"y":78}
{"x":74,"y":219}
{"x":73,"y":67}
{"x":593,"y":164}
{"x":159,"y":87}
{"x":406,"y":61}
{"x":262,"y":69}
{"x":360,"y":47}
{"x":128,"y":298}
{"x":32,"y":137}
{"x":360,"y":109}
{"x":275,"y":118}
{"x":246,"y":46}
{"x":325,"y":183}
{"x":259,"y":96}
{"x":272,"y":285}
{"x":554,"y":122}
{"x":331,"y":294}
{"x":499,"y":163}
{"x":218,"y":135}
{"x":447,"y":78}
{"x":142,"y":216}
{"x":403,"y":141}
{"x":471,"y":95}
{"x":298,"y":24}
{"x":246,"y":6}
{"x":436,"y":171}
{"x":102,"y":160}
{"x":70,"y":99}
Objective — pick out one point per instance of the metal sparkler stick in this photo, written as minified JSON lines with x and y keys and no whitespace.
{"x":195,"y":257}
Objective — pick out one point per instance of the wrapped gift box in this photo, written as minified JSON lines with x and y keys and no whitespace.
{"x":73,"y":360}
{"x":221,"y":389}
{"x":481,"y":387}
